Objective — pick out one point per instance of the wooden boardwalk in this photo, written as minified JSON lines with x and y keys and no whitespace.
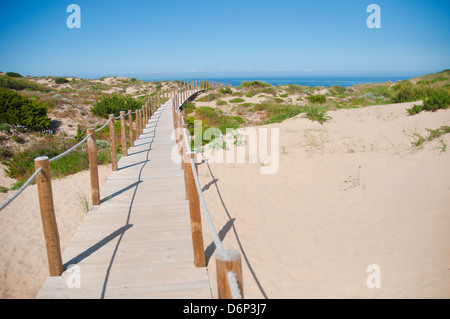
{"x":137,"y":243}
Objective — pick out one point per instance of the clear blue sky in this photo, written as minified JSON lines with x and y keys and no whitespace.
{"x":119,"y":37}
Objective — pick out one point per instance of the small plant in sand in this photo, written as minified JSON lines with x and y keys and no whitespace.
{"x":218,"y":144}
{"x":354,"y":180}
{"x":314,"y":114}
{"x":84,"y":202}
{"x":237,"y":138}
{"x":419,"y":140}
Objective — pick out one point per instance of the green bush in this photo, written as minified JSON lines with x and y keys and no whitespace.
{"x":21,"y":84}
{"x":437,"y":101}
{"x":319,"y":98}
{"x":16,"y":109}
{"x":189,"y":107}
{"x":416,"y":109}
{"x":114,"y":104}
{"x":226,"y":91}
{"x":237,"y":100}
{"x":21,"y":164}
{"x":14,"y":75}
{"x":276,"y":113}
{"x":314,"y":114}
{"x":405,"y":91}
{"x":210,"y":97}
{"x":212,"y":118}
{"x":61,"y":80}
{"x":254,"y":84}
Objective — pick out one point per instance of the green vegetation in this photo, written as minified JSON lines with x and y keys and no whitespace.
{"x":237,"y":100}
{"x":16,"y":109}
{"x":226,"y":91}
{"x":319,"y":98}
{"x":213,"y":118}
{"x":210,"y":97}
{"x":276,"y":113}
{"x":427,"y":87}
{"x":114,"y":104}
{"x":188,"y":107}
{"x":21,"y":84}
{"x":437,"y":101}
{"x":420,"y":140}
{"x":254,"y":84}
{"x":314,"y":114}
{"x":61,"y":80}
{"x":14,"y":75}
{"x":21,"y":164}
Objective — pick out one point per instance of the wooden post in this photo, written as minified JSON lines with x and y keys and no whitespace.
{"x":145,"y":115}
{"x":144,"y":118}
{"x":138,"y":123}
{"x":228,"y":260}
{"x":130,"y":126}
{"x":112,"y":135}
{"x":174,"y":121}
{"x":183,"y":149}
{"x":123,"y":134}
{"x":141,"y":119}
{"x":93,"y":167}
{"x":44,"y":186}
{"x":194,"y":209}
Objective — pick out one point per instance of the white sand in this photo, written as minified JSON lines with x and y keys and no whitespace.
{"x":349,"y":193}
{"x":23,"y":257}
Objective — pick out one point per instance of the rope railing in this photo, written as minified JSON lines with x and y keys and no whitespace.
{"x":228,"y":262}
{"x":70,"y":149}
{"x":21,"y":189}
{"x":42,"y":173}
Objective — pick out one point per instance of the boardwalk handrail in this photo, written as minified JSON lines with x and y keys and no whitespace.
{"x":228,"y":262}
{"x":43,"y":176}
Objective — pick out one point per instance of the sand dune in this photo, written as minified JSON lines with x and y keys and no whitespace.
{"x":348,"y":194}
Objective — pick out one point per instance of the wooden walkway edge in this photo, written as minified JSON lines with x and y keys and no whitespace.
{"x":137,"y":243}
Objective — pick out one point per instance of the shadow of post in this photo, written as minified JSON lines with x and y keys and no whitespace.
{"x":225,"y":229}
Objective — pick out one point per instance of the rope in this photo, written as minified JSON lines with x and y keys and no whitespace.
{"x":216,"y":238}
{"x":234,"y":287}
{"x":101,"y":128}
{"x":21,"y":189}
{"x":69,"y":150}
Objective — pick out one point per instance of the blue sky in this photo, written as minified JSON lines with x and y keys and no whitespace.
{"x":295,"y":37}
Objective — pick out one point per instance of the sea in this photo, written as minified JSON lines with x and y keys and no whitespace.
{"x":321,"y":81}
